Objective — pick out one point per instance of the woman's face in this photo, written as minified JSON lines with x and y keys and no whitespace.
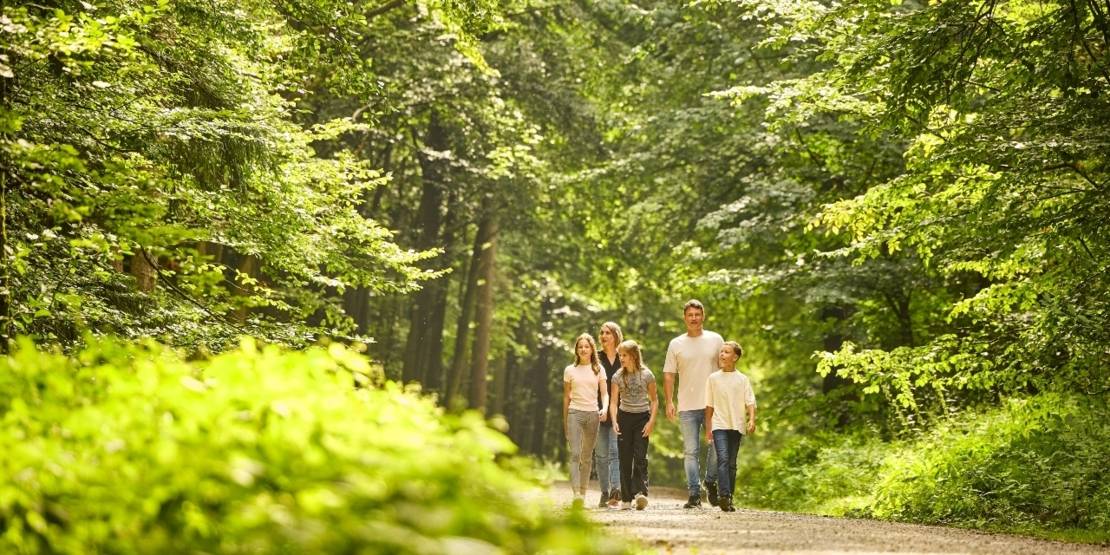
{"x":607,"y":337}
{"x":626,"y":359}
{"x":727,"y":357}
{"x":584,"y":351}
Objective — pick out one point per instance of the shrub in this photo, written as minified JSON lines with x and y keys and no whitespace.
{"x":130,"y":448}
{"x":1036,"y":463}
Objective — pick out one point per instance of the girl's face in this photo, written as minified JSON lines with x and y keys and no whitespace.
{"x":584,"y":350}
{"x":626,"y":359}
{"x":727,"y":357}
{"x":607,"y":337}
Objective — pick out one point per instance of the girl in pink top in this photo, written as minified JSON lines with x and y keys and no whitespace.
{"x":583,"y":392}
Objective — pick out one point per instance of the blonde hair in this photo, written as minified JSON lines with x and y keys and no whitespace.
{"x":736,"y":349}
{"x":594,"y":363}
{"x":632,"y":349}
{"x":615,"y":330}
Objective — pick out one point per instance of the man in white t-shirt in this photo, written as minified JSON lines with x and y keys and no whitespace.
{"x":692,"y":356}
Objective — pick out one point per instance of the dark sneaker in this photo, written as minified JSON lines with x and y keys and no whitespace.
{"x":615,"y":499}
{"x":693,"y":502}
{"x":711,"y":487}
{"x":604,"y":502}
{"x":725,"y":504}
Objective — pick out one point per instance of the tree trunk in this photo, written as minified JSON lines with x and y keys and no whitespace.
{"x":484,"y":316}
{"x":466,"y":308}
{"x":5,"y":268}
{"x":497,"y":397}
{"x":422,"y":337}
{"x":539,"y":378}
{"x":143,"y":272}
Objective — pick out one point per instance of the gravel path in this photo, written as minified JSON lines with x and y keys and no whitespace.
{"x":665,"y":527}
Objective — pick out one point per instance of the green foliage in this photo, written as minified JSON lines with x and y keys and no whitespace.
{"x":1034,"y":463}
{"x":820,"y":473}
{"x":164,"y":137}
{"x":132,"y":448}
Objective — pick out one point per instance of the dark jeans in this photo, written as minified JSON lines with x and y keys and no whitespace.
{"x":727,"y":444}
{"x":632,"y":449}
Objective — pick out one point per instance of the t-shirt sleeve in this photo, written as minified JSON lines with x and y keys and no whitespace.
{"x":709,"y":392}
{"x":566,"y":375}
{"x":751,"y":395}
{"x":670,"y":365}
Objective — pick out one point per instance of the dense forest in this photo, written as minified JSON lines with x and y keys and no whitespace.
{"x":899,"y":208}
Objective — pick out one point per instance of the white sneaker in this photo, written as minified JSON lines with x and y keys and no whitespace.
{"x":626,"y":505}
{"x":641,"y":501}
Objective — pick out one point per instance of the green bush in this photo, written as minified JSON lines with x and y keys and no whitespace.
{"x":822,"y":473}
{"x":1036,"y":464}
{"x":124,"y":448}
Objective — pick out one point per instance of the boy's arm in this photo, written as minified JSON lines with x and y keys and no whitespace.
{"x":709,"y":423}
{"x":751,"y":419}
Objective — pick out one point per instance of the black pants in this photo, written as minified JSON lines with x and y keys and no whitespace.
{"x":632,"y":449}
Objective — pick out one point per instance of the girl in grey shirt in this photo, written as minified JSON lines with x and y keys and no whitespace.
{"x":633,"y":408}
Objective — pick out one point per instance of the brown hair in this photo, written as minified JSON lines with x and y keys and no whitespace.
{"x":594,"y":364}
{"x":631,"y":348}
{"x":615,"y":330}
{"x":693,"y":303}
{"x":736,"y":348}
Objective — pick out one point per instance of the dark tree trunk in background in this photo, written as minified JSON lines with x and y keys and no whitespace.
{"x":422,"y":337}
{"x":538,"y":383}
{"x":466,"y":309}
{"x":484,"y":317}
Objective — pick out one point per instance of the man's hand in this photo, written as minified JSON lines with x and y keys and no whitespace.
{"x":603,"y":415}
{"x":709,"y":436}
{"x":671,"y":412}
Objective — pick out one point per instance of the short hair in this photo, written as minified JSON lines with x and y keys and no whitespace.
{"x":736,"y":348}
{"x":693,"y":303}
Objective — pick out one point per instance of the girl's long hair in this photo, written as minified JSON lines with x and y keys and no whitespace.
{"x":594,"y":363}
{"x":632,"y":349}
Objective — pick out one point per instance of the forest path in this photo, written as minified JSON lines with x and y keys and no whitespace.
{"x":665,"y":527}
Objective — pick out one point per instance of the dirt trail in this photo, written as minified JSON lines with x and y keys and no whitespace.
{"x":665,"y":527}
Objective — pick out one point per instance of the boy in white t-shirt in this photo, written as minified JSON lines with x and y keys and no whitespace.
{"x":729,"y":414}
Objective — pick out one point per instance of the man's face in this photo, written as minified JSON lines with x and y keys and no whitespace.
{"x":694,"y":318}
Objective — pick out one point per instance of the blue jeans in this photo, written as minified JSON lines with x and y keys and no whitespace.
{"x":606,"y":459}
{"x":692,"y":423}
{"x":727,"y":444}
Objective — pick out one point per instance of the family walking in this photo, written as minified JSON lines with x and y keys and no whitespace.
{"x":610,"y":404}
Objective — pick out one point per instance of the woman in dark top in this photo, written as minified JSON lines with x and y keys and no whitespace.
{"x":605,"y":450}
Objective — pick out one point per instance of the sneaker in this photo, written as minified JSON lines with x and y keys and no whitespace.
{"x":626,"y":505}
{"x":725,"y":503}
{"x":615,"y":499}
{"x":604,"y":501}
{"x":711,"y":488}
{"x":641,"y":501}
{"x":693,"y":502}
